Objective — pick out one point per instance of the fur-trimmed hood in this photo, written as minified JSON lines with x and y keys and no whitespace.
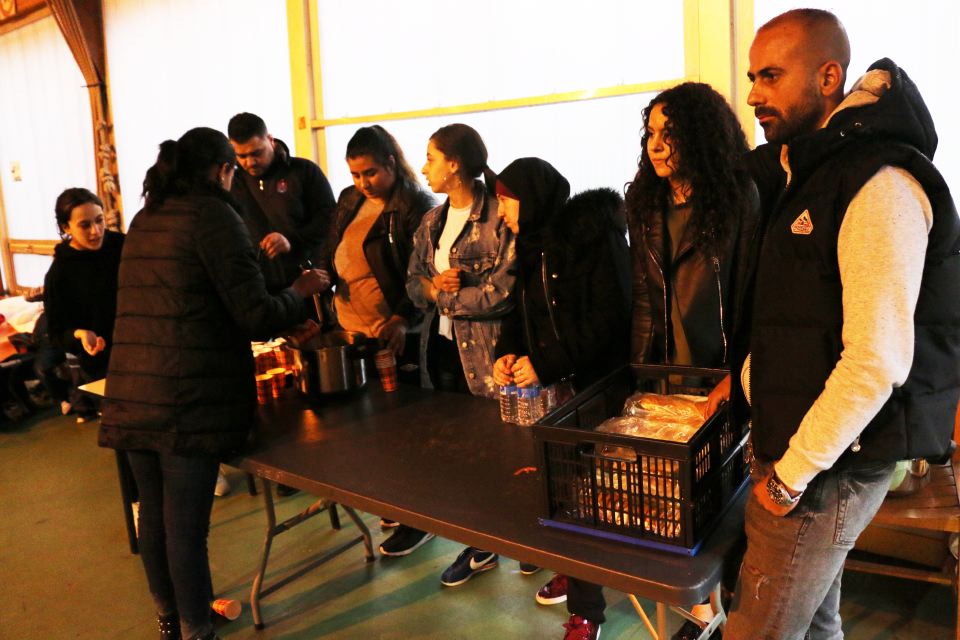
{"x":585,"y":219}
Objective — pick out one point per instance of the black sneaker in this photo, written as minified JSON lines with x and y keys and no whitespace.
{"x":528,"y":569}
{"x":404,"y":541}
{"x":470,"y":562}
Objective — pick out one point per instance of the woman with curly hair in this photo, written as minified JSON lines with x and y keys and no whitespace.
{"x":691,"y":211}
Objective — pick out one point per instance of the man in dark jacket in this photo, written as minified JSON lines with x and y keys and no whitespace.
{"x":286,"y":202}
{"x":854,"y":317}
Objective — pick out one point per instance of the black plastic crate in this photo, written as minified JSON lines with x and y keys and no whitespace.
{"x":667,"y":495}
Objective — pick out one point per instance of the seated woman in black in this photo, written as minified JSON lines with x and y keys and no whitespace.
{"x":80,"y":289}
{"x":571,"y":322}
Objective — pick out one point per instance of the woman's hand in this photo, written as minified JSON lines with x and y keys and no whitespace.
{"x":394,"y":334}
{"x":448,"y":281}
{"x":719,"y":395}
{"x":273,"y":244}
{"x":523,"y":372}
{"x":503,"y":369}
{"x":311,"y":281}
{"x":90,"y":341}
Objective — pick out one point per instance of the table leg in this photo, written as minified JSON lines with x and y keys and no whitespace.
{"x":264,"y":555}
{"x":662,"y":620}
{"x":717,"y":604}
{"x":257,"y":590}
{"x":643,"y":616}
{"x":128,"y":491}
{"x":334,"y":517}
{"x":364,"y":532}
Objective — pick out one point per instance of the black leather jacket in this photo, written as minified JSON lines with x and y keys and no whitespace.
{"x":388,"y":244}
{"x":705,"y":287}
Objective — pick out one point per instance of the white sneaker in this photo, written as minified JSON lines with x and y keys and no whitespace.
{"x":223,"y":485}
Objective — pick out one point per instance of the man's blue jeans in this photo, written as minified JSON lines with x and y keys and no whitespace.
{"x":176,"y":497}
{"x":789,"y":585}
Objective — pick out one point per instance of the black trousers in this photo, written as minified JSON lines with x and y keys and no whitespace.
{"x":586,"y":600}
{"x":176,"y":496}
{"x":443,"y":362}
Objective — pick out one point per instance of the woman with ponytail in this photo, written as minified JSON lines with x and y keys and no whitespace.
{"x":180,"y":394}
{"x":462,"y":274}
{"x":462,"y":269}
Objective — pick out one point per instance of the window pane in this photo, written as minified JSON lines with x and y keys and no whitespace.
{"x":179,"y":64}
{"x":45,"y":128}
{"x":594,"y":143}
{"x":30,"y":268}
{"x":922,"y":40}
{"x":399,"y":56}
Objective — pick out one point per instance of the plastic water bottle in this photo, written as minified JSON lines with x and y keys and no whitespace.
{"x":529,"y":409}
{"x":548,"y":398}
{"x":508,"y":403}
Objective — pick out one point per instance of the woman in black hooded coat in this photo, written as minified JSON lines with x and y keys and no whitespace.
{"x":572,"y":318}
{"x":571,"y":321}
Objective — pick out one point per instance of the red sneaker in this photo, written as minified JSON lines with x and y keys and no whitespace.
{"x":581,"y":629}
{"x":554,"y":592}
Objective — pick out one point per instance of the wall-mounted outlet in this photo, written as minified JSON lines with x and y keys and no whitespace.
{"x":15,"y":171}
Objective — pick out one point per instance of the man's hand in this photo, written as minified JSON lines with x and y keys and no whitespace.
{"x":311,"y":281}
{"x":91,"y":342}
{"x":273,"y":244}
{"x":393,"y":335}
{"x":503,"y":369}
{"x":763,"y":497}
{"x":523,"y":372}
{"x":448,"y":281}
{"x":719,"y":395}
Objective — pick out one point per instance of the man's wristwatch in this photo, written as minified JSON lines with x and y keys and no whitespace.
{"x":778,"y":492}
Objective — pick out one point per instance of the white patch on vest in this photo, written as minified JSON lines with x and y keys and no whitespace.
{"x":803,"y":225}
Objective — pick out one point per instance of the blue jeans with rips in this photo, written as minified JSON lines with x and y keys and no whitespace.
{"x":789,"y":585}
{"x":176,"y":497}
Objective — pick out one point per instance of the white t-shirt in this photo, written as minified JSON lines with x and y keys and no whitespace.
{"x":456,"y":219}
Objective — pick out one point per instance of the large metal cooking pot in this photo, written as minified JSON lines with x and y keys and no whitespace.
{"x":331,"y":363}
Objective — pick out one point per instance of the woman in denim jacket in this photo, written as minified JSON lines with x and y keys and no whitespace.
{"x":462,"y":268}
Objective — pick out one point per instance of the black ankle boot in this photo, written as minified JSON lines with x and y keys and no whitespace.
{"x":169,"y":627}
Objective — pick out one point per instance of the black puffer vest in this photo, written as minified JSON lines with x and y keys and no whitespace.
{"x":797,"y":315}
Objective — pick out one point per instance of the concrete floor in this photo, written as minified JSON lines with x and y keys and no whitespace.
{"x":66,"y":571}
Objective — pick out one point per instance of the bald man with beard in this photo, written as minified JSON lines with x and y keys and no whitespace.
{"x":849,"y":358}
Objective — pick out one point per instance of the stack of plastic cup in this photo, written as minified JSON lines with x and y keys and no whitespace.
{"x":387,"y":368}
{"x":264,"y":387}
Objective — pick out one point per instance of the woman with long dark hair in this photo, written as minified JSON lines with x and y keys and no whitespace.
{"x":373,"y":239}
{"x":691,"y":212}
{"x":180,"y":393}
{"x":80,"y":295}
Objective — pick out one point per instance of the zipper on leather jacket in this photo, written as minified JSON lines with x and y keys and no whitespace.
{"x":723,"y":328}
{"x":394,"y":250}
{"x":666,"y":308}
{"x":546,"y":295}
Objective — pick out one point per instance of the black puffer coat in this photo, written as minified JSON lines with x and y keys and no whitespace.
{"x":572,"y":313}
{"x":389,"y":242}
{"x":706,"y":286}
{"x":191,"y":298}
